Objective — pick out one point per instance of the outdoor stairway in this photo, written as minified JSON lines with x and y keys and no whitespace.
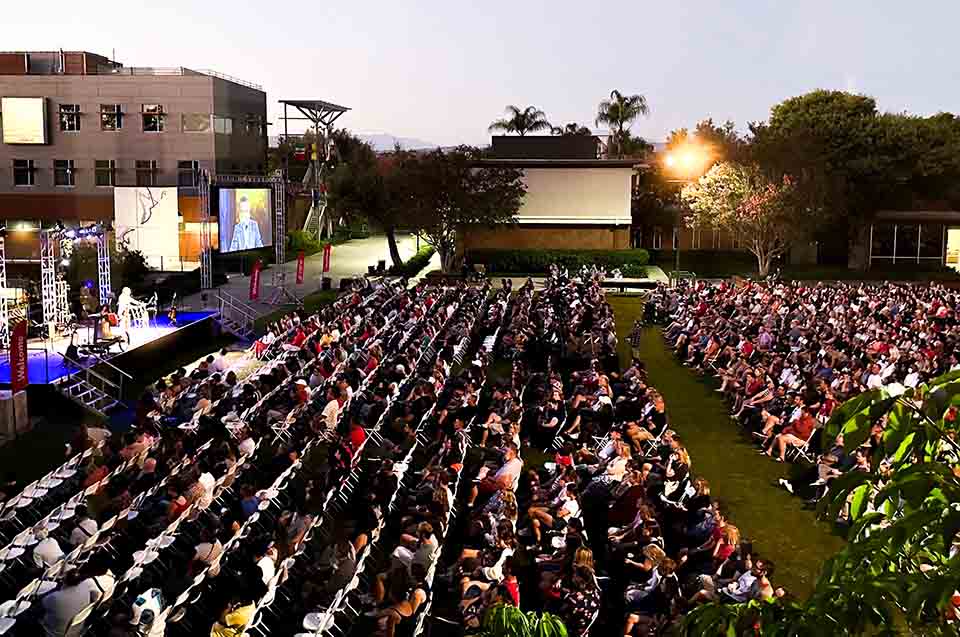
{"x":84,"y":393}
{"x":312,"y":224}
{"x":235,"y":316}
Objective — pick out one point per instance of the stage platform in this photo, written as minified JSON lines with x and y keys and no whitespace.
{"x":46,"y":364}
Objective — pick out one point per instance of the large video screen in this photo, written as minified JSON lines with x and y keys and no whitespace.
{"x":147,"y":219}
{"x":246,"y":219}
{"x":24,"y":120}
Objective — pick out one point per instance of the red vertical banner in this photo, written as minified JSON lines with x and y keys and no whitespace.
{"x":327,"y":249}
{"x":19,"y":377}
{"x":255,"y":281}
{"x":300,"y":267}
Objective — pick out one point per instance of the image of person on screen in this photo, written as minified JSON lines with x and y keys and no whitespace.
{"x":246,"y":232}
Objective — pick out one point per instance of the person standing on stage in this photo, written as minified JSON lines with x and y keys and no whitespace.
{"x":125,"y":305}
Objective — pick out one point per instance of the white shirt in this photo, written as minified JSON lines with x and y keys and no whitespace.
{"x":84,"y":529}
{"x":331,"y":413}
{"x":248,"y":446}
{"x":268,"y":568}
{"x":47,"y":553}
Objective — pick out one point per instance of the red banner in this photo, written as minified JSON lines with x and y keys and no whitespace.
{"x":300,"y":267}
{"x":255,"y":281}
{"x":327,"y":249}
{"x":19,"y":378}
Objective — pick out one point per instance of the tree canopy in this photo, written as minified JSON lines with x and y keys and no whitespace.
{"x":742,"y":199}
{"x":529,"y":120}
{"x":570,"y":130}
{"x":444,"y":191}
{"x":618,"y":112}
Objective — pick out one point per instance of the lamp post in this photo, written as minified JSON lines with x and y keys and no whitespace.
{"x":687,"y":161}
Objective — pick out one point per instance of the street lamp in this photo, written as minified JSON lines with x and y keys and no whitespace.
{"x":688,"y":162}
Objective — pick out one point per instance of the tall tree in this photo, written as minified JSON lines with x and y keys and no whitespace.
{"x":900,"y":564}
{"x":446,"y":191}
{"x":529,"y":120}
{"x":720,"y":142}
{"x":618,"y":113}
{"x":744,"y":201}
{"x":570,"y":130}
{"x":365,"y":185}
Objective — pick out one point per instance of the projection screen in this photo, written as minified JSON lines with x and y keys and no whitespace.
{"x":24,"y":120}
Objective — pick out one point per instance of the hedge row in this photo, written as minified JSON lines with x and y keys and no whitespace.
{"x":414,"y":264}
{"x":630,"y":262}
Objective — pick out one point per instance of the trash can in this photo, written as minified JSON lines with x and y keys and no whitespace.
{"x":345,"y":283}
{"x":371,"y":269}
{"x":381,"y":265}
{"x":326,"y":283}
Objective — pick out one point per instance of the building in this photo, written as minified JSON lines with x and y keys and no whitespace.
{"x":574,"y":199}
{"x":75,"y":124}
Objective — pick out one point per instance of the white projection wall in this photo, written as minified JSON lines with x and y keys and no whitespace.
{"x":24,"y":120}
{"x":576,"y":195}
{"x":147,"y":219}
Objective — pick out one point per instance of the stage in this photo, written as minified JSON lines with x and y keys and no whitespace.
{"x":46,"y":364}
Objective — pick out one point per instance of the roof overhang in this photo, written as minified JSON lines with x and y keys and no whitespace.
{"x":919,"y":216}
{"x":559,"y":163}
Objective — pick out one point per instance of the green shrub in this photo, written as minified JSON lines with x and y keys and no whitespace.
{"x":707,"y":263}
{"x":301,"y":240}
{"x":630,"y":262}
{"x":414,"y":264}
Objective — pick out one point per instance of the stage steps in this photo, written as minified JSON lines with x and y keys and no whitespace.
{"x":79,"y":390}
{"x":235,"y":316}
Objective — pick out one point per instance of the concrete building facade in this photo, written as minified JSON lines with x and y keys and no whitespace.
{"x":110,"y":125}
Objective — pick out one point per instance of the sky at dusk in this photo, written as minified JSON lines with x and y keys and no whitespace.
{"x":442,"y":70}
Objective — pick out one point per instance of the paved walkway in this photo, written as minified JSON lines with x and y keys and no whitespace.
{"x":347,"y":260}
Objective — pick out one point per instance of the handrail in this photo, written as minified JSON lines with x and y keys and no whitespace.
{"x":236,"y":304}
{"x":88,"y":371}
{"x":111,"y":365}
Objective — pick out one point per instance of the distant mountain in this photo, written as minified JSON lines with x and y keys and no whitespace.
{"x":385,"y":142}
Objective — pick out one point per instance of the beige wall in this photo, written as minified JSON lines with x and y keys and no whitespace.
{"x":547,"y":237}
{"x":587,"y":195}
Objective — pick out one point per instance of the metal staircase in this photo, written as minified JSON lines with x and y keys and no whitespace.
{"x":312,"y":224}
{"x":235,"y":316}
{"x":99,"y":388}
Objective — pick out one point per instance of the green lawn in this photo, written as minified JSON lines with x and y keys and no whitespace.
{"x":781,"y":529}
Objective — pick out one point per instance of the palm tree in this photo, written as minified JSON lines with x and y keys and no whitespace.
{"x":618,"y":113}
{"x":529,"y":120}
{"x":570,"y":129}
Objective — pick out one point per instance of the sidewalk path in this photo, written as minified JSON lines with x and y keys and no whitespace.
{"x":347,"y":260}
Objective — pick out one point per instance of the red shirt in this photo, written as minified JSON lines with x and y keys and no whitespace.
{"x":357,"y":436}
{"x":514,"y":589}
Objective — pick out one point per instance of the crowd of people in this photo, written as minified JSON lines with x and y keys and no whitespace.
{"x":787,"y":354}
{"x":425,"y":454}
{"x":614,"y":519}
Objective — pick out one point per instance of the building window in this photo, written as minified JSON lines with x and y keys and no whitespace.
{"x":23,"y":172}
{"x":153,"y":118}
{"x":188,"y":173}
{"x":251,"y":126}
{"x":675,"y":241}
{"x":716,"y":238}
{"x":195,"y":122}
{"x":70,"y":118}
{"x":111,"y":117}
{"x":146,"y":172}
{"x":696,"y":239}
{"x":223,"y":125}
{"x":63,"y":172}
{"x":106,"y":170}
{"x":657,"y":238}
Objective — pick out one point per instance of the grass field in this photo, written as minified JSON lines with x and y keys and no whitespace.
{"x":743,"y":480}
